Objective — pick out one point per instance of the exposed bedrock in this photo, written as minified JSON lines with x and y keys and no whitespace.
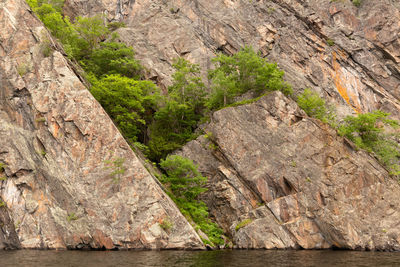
{"x":279,"y":179}
{"x":349,"y":54}
{"x":61,"y":153}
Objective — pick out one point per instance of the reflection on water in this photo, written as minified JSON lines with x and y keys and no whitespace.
{"x":240,"y":258}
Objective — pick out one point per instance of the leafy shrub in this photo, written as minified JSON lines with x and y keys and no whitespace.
{"x":173,"y":126}
{"x":45,"y":47}
{"x":112,"y":26}
{"x":186,"y":183}
{"x":367,"y":131}
{"x":316,"y":107}
{"x":23,"y":69}
{"x":183,"y":178}
{"x":92,"y":30}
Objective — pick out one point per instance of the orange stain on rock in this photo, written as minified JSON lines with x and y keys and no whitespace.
{"x":340,"y":86}
{"x":56,"y":128}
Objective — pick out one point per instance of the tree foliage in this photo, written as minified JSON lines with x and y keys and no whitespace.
{"x":175,"y":122}
{"x":243,"y":72}
{"x":187,"y":87}
{"x":112,"y":58}
{"x":173,"y":126}
{"x":186,"y":184}
{"x":129,"y":103}
{"x":183,"y":178}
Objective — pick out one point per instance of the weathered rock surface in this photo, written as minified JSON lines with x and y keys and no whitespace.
{"x":350,"y":55}
{"x":8,"y":237}
{"x":60,"y":150}
{"x":294,"y":181}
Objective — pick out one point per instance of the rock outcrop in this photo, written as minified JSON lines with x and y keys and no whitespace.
{"x":349,"y":54}
{"x":279,"y":179}
{"x":70,"y":179}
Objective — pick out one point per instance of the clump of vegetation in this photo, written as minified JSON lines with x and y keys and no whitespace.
{"x":2,"y":204}
{"x":330,"y":42}
{"x":185,"y":184}
{"x":2,"y":178}
{"x":130,"y":103}
{"x":367,"y":131}
{"x":357,"y":3}
{"x":175,"y":122}
{"x":22,"y":69}
{"x":45,"y":48}
{"x":243,"y":224}
{"x":117,"y":167}
{"x":72,"y":217}
{"x":243,"y":72}
{"x":316,"y":107}
{"x":167,"y":225}
{"x":112,"y":26}
{"x":40,"y":119}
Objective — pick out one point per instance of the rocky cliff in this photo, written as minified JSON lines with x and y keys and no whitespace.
{"x":279,"y":179}
{"x":349,"y":54}
{"x":70,"y":180}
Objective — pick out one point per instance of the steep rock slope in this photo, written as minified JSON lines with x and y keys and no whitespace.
{"x":70,"y":179}
{"x":279,"y":179}
{"x":350,"y":55}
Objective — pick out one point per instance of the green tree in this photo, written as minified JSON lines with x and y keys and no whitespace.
{"x":112,"y":58}
{"x":186,"y":183}
{"x":187,"y":87}
{"x":129,"y":103}
{"x":91,"y":31}
{"x":183,"y":178}
{"x":173,"y":126}
{"x":245,"y":71}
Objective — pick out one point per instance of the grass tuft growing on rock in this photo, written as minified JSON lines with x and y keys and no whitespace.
{"x":243,"y":224}
{"x":167,"y":225}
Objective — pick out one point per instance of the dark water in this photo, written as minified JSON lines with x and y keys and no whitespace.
{"x":240,"y":258}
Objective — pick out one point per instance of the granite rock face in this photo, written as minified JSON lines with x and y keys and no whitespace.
{"x":61,"y":152}
{"x":350,"y":55}
{"x":279,"y":179}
